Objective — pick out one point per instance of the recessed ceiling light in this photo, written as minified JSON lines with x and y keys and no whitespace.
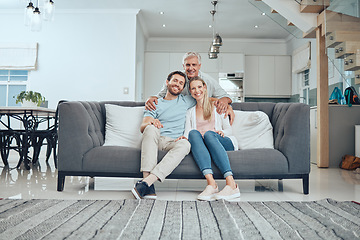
{"x":164,"y":25}
{"x":263,"y":14}
{"x":256,"y":26}
{"x":161,"y":13}
{"x":210,"y":26}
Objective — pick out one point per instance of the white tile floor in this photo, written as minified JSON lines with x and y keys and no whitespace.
{"x":40,"y":183}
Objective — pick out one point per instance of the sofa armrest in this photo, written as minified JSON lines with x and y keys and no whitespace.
{"x":81,"y":128}
{"x":291,"y":122}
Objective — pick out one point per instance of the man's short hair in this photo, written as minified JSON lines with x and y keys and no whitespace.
{"x":178,"y":73}
{"x":192,"y":54}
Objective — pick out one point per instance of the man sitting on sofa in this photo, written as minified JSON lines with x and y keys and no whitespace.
{"x":163,"y":129}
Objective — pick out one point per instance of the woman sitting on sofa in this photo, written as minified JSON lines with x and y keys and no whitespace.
{"x":210,"y":136}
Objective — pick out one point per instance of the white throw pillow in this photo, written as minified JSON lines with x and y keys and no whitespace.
{"x":122,"y":126}
{"x":253,"y":130}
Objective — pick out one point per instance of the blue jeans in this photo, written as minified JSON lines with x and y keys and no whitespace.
{"x":212,"y":146}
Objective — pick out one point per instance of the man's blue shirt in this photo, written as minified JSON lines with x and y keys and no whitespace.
{"x":172,"y":115}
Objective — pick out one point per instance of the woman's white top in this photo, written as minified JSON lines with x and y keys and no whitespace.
{"x":221,"y":124}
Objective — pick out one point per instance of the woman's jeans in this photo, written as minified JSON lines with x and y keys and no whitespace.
{"x":211,"y":146}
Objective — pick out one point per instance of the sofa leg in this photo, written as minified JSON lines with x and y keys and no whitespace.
{"x":61,"y":182}
{"x":306,"y":184}
{"x":280,"y":185}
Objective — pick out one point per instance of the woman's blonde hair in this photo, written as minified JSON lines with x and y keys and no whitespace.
{"x":207,"y":105}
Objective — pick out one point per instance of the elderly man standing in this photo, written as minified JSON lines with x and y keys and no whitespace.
{"x":192,"y":65}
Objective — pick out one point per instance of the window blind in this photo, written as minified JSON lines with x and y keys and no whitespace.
{"x":301,"y":58}
{"x":18,"y":56}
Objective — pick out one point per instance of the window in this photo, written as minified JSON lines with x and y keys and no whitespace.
{"x":306,"y":78}
{"x":12,"y":82}
{"x":305,"y":86}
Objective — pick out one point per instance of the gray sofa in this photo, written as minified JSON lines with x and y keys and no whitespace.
{"x":81,"y":150}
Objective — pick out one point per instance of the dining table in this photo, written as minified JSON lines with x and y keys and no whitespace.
{"x":22,"y":128}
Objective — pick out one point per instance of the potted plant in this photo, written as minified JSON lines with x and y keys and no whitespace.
{"x":29,"y":98}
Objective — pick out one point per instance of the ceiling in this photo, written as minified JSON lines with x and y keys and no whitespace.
{"x":183,"y":18}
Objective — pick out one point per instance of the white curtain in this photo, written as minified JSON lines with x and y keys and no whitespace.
{"x":301,"y":58}
{"x":18,"y":56}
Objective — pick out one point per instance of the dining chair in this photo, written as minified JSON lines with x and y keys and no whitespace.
{"x":51,"y":136}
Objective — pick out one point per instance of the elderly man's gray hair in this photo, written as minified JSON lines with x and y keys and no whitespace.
{"x":192,"y":54}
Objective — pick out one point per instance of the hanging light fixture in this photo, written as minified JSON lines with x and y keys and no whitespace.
{"x":28,"y":13}
{"x":49,"y":9}
{"x":213,"y":52}
{"x":36,"y":20}
{"x":212,"y":55}
{"x":33,"y":15}
{"x":217,"y":41}
{"x":214,"y":49}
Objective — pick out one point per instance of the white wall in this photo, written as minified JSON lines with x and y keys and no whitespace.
{"x":83,"y":54}
{"x":246,"y":46}
{"x":140,"y":59}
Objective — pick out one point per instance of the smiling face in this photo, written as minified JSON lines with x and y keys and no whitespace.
{"x":192,"y":67}
{"x":176,"y":84}
{"x":197,"y":89}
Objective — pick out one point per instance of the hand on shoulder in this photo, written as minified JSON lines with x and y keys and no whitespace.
{"x":150,"y":103}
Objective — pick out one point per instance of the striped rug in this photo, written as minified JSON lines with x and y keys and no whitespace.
{"x":149,"y":219}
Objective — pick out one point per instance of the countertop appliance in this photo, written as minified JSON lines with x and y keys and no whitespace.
{"x":233,"y":84}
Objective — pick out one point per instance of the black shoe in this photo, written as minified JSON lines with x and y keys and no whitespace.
{"x":151,"y":194}
{"x":142,"y":190}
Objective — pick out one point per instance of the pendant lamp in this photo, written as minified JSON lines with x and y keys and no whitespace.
{"x":214,"y":49}
{"x":217,"y":41}
{"x":49,"y":9}
{"x":28,"y":13}
{"x":33,"y":17}
{"x":212,"y":55}
{"x":36,"y":21}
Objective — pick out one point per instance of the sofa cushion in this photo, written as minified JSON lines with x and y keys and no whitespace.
{"x":122,"y":126}
{"x":262,"y":162}
{"x":113,"y":159}
{"x":252,"y":130}
{"x":250,"y":162}
{"x":126,"y":162}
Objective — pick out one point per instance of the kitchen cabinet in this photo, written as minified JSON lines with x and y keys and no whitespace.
{"x":231,"y":62}
{"x":207,"y":65}
{"x":268,"y":76}
{"x":252,"y":75}
{"x":159,"y":64}
{"x":226,"y":62}
{"x":283,"y":75}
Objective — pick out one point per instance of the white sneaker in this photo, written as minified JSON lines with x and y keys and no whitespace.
{"x":208,"y":194}
{"x":228,"y":193}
